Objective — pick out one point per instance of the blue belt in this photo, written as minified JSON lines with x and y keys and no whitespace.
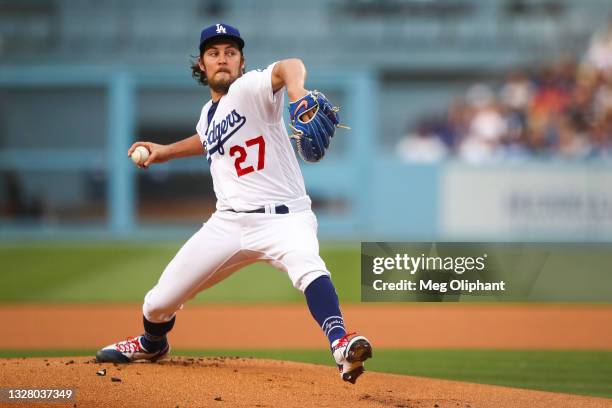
{"x":279,"y":209}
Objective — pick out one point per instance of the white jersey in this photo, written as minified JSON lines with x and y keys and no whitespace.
{"x":251,"y":158}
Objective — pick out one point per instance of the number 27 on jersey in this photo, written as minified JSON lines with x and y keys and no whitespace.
{"x":256,"y":145}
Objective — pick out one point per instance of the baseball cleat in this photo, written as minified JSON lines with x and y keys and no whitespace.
{"x":128,"y":351}
{"x":350,"y":352}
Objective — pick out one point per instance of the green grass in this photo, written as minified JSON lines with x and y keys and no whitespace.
{"x":101,"y":272}
{"x":124,"y":272}
{"x":575,"y":372}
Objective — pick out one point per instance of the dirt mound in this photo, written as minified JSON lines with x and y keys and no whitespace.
{"x":241,"y":382}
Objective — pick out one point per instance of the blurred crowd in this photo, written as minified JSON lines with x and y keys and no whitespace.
{"x":562,"y":110}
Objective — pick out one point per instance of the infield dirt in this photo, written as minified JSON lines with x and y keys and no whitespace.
{"x":528,"y":326}
{"x":240,"y":382}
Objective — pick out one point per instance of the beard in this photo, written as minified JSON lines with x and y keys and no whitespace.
{"x":221,"y":85}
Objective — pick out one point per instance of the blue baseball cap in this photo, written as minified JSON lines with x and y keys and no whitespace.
{"x":220,"y":31}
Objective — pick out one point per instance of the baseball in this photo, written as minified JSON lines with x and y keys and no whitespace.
{"x":140,"y":155}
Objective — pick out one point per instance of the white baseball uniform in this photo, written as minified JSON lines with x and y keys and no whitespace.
{"x":253,"y":166}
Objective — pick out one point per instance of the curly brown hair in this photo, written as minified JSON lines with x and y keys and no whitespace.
{"x":197,"y":73}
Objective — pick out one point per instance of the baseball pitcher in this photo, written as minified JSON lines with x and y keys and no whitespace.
{"x":263,"y":212}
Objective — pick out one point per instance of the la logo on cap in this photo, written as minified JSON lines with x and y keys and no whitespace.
{"x":221,"y":29}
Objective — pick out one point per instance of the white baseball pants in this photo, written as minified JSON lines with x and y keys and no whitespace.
{"x":229,"y":241}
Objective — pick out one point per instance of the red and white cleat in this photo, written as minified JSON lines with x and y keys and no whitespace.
{"x":350,"y":352}
{"x":128,"y":351}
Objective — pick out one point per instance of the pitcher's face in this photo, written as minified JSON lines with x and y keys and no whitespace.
{"x":223,"y":64}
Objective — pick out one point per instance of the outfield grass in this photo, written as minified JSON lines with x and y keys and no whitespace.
{"x":575,"y":372}
{"x":98,"y":272}
{"x":124,"y":272}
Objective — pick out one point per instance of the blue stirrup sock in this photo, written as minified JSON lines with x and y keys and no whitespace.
{"x":324,"y":306}
{"x":154,"y":337}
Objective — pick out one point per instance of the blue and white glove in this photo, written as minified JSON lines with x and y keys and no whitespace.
{"x":312,"y":135}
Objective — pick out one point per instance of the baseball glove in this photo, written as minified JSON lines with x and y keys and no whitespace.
{"x":312,"y":135}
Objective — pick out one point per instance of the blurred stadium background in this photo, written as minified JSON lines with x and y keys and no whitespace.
{"x":471,"y":120}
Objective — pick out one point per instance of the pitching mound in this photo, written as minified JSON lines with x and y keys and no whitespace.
{"x":240,"y":382}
